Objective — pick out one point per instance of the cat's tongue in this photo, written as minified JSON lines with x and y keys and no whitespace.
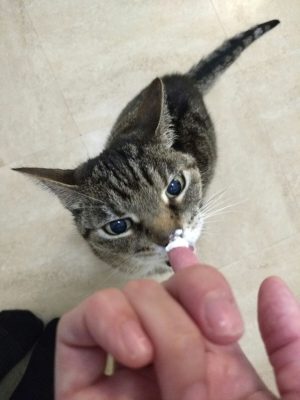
{"x":182,"y":257}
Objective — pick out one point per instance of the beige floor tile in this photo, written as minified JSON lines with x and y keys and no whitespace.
{"x":290,"y":14}
{"x":265,"y":211}
{"x":278,"y":109}
{"x":49,"y":266}
{"x":23,"y":201}
{"x":33,"y":112}
{"x":285,"y":136}
{"x":146,"y":38}
{"x":279,"y":90}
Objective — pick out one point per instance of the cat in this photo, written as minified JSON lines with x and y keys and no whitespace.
{"x":153,"y":173}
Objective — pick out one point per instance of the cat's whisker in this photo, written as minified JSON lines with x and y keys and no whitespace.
{"x":112,"y":274}
{"x":221,"y":192}
{"x":214,"y":202}
{"x":130,"y":268}
{"x":219,"y":213}
{"x":217,"y":194}
{"x":207,"y":231}
{"x":215,"y":219}
{"x":210,"y":228}
{"x":89,"y":208}
{"x":211,"y":207}
{"x":133,"y":269}
{"x":221,"y":210}
{"x":215,"y":225}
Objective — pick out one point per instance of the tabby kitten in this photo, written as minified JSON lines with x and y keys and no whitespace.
{"x":152,"y":176}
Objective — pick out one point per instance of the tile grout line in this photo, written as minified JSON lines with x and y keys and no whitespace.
{"x":79,"y":135}
{"x":219,"y":19}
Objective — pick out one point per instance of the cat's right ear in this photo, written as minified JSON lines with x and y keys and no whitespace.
{"x":62,"y":182}
{"x":153,"y":117}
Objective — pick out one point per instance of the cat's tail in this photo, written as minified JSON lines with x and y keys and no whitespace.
{"x":211,"y":67}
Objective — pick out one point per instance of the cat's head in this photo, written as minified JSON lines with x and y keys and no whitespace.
{"x":127,"y":201}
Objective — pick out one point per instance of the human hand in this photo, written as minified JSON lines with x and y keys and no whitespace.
{"x":168,"y":347}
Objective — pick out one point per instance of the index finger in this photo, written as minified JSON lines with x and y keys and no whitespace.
{"x":206,"y":295}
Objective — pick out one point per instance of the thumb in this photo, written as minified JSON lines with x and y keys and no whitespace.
{"x":279,"y":322}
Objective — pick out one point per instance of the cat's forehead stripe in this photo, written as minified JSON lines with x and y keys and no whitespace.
{"x":146,"y":174}
{"x":125,"y":173}
{"x":119,"y":166}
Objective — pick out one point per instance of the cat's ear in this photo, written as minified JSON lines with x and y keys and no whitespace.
{"x":153,"y":115}
{"x":62,"y":182}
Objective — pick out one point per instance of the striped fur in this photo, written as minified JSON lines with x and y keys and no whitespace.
{"x":163,"y":133}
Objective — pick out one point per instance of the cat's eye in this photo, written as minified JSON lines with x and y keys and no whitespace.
{"x":176,"y":186}
{"x":118,"y":226}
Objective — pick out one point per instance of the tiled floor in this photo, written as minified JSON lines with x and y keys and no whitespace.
{"x":68,"y":67}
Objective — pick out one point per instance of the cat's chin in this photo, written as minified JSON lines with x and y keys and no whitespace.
{"x":147,"y":267}
{"x":154,"y":267}
{"x":157,"y":264}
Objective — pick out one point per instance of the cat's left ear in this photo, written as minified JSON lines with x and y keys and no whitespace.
{"x":62,"y":182}
{"x":153,"y":114}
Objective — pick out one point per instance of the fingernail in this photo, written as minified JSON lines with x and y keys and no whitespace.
{"x":182,"y":257}
{"x":222,"y":315}
{"x":134,"y":339}
{"x":197,"y":391}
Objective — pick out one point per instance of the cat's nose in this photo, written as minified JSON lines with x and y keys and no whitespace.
{"x":162,"y":226}
{"x":161,"y":240}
